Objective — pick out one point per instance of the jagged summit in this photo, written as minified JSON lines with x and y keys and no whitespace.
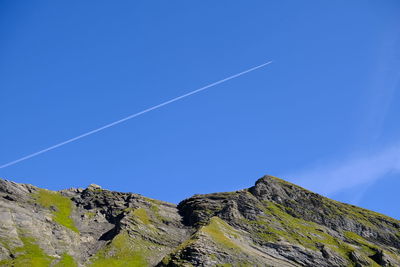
{"x":94,"y":186}
{"x":273,"y":223}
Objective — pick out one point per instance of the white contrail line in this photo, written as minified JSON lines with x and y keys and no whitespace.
{"x":133,"y":116}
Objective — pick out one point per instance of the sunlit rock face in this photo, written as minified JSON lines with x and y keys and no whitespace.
{"x":273,"y":223}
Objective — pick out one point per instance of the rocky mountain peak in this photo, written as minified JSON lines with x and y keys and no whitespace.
{"x":273,"y":223}
{"x":94,"y":187}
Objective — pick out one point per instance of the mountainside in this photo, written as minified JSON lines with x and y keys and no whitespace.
{"x":273,"y":223}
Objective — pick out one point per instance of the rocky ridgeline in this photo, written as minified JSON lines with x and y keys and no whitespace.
{"x":273,"y":223}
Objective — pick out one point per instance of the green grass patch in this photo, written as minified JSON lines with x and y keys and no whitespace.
{"x":367,"y":247}
{"x":66,"y":261}
{"x":142,"y":215}
{"x":61,"y":204}
{"x":277,"y":225}
{"x":155,"y":209}
{"x":121,"y":252}
{"x":218,"y":230}
{"x":30,"y":254}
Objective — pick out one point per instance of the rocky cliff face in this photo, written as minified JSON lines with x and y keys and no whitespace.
{"x":273,"y":223}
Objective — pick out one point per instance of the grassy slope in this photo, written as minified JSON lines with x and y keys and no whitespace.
{"x":61,"y":204}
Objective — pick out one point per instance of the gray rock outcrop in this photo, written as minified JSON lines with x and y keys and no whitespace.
{"x":273,"y":223}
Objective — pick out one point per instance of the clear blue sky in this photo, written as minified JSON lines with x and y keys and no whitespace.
{"x":324,"y":115}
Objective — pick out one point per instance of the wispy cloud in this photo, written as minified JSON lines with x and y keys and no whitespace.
{"x":361,"y":170}
{"x":384,"y":82}
{"x":358,"y":170}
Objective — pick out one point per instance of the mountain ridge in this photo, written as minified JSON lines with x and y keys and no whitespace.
{"x":273,"y":223}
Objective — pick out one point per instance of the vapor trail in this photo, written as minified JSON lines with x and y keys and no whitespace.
{"x":132,"y":116}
